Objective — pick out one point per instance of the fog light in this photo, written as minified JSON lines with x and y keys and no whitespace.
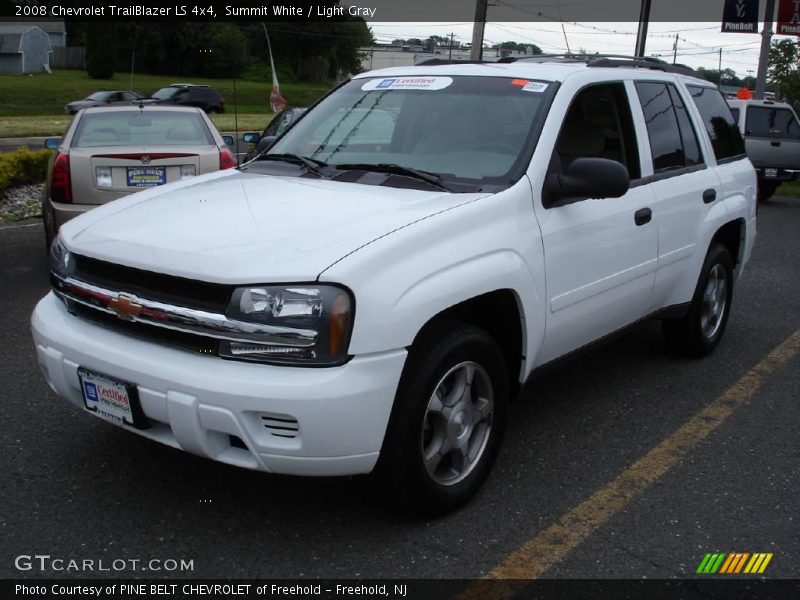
{"x":188,"y":171}
{"x":103,"y":176}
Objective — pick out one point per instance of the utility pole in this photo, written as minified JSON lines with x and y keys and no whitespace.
{"x":476,"y":53}
{"x":763,"y":58}
{"x":450,"y":56}
{"x":641,"y":35}
{"x":675,"y":50}
{"x":719,"y":85}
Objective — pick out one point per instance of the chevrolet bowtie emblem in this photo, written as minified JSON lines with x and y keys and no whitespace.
{"x":125,"y":307}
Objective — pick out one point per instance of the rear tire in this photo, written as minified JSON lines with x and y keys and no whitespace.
{"x":766,"y":189}
{"x":700,"y":331}
{"x":447,"y":421}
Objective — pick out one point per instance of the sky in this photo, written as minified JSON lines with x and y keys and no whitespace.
{"x":698,"y":42}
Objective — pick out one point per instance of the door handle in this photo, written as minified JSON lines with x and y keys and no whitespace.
{"x":642,"y":216}
{"x":709,"y":196}
{"x":776,"y":144}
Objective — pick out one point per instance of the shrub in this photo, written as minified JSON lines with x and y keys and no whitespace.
{"x":23,"y":167}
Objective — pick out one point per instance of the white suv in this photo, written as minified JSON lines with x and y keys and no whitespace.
{"x":369,"y":294}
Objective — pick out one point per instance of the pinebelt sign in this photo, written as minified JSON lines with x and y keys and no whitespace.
{"x":789,"y":17}
{"x":740,"y":16}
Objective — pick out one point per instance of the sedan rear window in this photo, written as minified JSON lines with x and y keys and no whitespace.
{"x":142,"y":128}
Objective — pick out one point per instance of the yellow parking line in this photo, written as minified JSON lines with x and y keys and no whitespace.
{"x":538,"y":554}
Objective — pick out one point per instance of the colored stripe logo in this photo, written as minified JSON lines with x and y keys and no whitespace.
{"x":734,"y":562}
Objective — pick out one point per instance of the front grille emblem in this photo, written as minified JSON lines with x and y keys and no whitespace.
{"x":145,"y":159}
{"x":125,"y":307}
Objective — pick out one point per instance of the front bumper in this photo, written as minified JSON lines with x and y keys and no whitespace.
{"x":197,"y":403}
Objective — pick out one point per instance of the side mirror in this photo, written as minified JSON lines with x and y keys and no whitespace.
{"x":228,"y":139}
{"x":52,"y":143}
{"x":265,"y":143}
{"x":251,"y":138}
{"x":589,"y":178}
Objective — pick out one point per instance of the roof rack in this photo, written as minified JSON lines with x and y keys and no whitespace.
{"x":430,"y":62}
{"x":607,"y":60}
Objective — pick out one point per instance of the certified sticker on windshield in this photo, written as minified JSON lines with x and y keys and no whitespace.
{"x":534,"y":86}
{"x":407,"y":83}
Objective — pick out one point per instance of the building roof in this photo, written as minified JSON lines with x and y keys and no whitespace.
{"x":11,"y":37}
{"x":10,"y":43}
{"x":48,"y":26}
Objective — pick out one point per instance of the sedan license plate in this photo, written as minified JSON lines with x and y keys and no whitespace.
{"x":111,"y":399}
{"x":770,"y":173}
{"x":146,"y":176}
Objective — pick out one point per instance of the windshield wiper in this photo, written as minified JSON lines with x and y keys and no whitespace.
{"x":312,"y":164}
{"x":430,"y":178}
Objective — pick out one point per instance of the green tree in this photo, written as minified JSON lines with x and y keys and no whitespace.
{"x":101,"y":50}
{"x":227,"y":55}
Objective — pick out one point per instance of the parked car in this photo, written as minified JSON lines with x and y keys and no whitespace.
{"x":280,"y":123}
{"x":110,"y":152}
{"x":370,"y":294}
{"x":105,"y":98}
{"x":189,"y":94}
{"x":772,"y":138}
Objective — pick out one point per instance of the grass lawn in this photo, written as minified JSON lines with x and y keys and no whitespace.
{"x":791,"y":188}
{"x":33,"y":105}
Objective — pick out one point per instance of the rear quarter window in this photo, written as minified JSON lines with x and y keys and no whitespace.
{"x":726,"y":140}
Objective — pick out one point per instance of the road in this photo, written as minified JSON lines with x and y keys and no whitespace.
{"x":76,"y":487}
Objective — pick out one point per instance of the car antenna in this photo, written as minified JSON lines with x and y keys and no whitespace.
{"x":235,"y":123}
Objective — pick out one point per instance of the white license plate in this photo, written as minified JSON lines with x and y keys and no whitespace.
{"x":108,"y":397}
{"x":770,"y":172}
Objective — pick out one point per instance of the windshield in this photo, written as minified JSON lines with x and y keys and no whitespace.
{"x":137,"y":128}
{"x":100,"y":96}
{"x":165,"y":93}
{"x":460,"y":128}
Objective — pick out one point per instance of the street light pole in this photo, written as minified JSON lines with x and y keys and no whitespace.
{"x":641,"y":35}
{"x":763,"y":58}
{"x":476,"y":52}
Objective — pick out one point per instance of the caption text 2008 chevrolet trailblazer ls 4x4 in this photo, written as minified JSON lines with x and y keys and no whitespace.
{"x":370,"y":293}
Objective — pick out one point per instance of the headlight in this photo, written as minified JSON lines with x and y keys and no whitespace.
{"x":325,"y":309}
{"x":60,"y":259}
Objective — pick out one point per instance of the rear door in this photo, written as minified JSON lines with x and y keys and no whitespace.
{"x":682,"y":181}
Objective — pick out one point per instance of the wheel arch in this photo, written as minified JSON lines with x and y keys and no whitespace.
{"x":499,"y":313}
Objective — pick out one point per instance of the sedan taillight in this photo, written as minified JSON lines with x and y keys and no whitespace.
{"x":226,"y":159}
{"x":61,"y":183}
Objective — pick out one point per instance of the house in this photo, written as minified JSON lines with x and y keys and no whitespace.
{"x":55,"y":29}
{"x":24,"y":49}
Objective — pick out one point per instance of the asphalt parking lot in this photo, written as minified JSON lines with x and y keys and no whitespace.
{"x":76,"y":487}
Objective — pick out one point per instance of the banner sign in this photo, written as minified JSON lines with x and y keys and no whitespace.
{"x":789,"y":17}
{"x":740,"y":16}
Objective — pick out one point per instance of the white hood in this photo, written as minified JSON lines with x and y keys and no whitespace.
{"x":232,"y":227}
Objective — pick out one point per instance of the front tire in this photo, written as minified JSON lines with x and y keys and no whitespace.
{"x":700,"y":331}
{"x":448,"y":419}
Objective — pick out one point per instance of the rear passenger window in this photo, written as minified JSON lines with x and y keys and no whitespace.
{"x":719,"y":121}
{"x":673,"y":141}
{"x":766,"y":121}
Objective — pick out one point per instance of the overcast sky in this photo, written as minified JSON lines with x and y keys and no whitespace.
{"x":698,"y":43}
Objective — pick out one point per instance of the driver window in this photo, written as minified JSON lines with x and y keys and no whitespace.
{"x":598,"y":124}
